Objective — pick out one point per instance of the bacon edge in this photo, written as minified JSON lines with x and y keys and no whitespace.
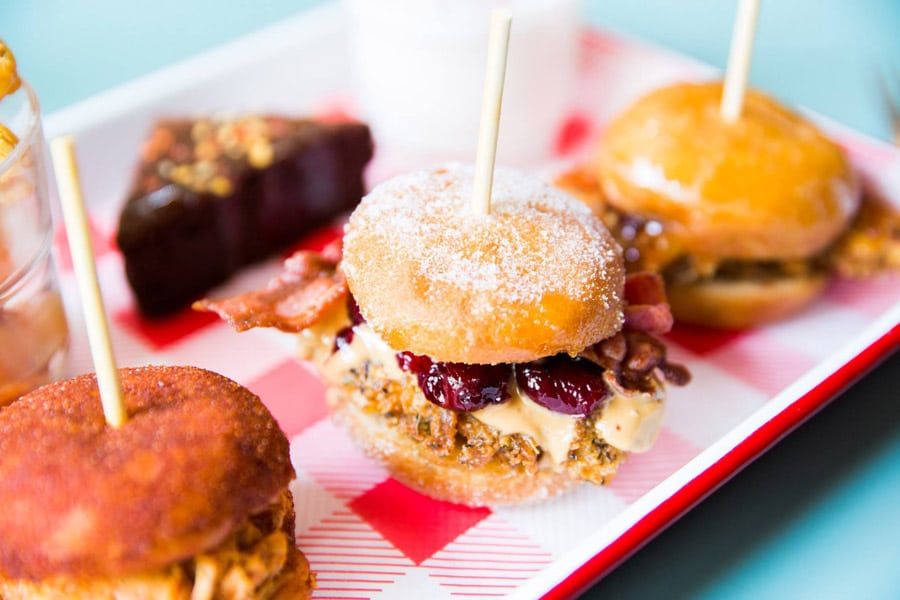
{"x":308,"y":287}
{"x":646,"y":308}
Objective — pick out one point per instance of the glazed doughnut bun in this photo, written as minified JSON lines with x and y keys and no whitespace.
{"x":199,"y":455}
{"x":416,"y":466}
{"x":739,"y":304}
{"x":538,"y":276}
{"x":769,"y":186}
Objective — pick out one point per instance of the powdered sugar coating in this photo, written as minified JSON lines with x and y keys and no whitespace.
{"x":536,"y":246}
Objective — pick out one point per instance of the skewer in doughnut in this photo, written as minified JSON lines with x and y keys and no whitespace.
{"x":187,"y":499}
{"x":746,"y":220}
{"x":484,"y":359}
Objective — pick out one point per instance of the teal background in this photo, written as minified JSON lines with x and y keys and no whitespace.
{"x":817,"y":517}
{"x":825,"y":54}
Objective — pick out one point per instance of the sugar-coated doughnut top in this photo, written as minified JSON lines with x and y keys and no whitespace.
{"x":538,"y":275}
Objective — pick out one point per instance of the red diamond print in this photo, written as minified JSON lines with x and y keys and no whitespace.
{"x":573,"y":133}
{"x":316,"y":240}
{"x":336,"y":110}
{"x":414,"y":523}
{"x":161,"y":333}
{"x":641,"y":472}
{"x":762,"y":362}
{"x":702,"y":340}
{"x":599,"y":41}
{"x":871,"y":297}
{"x":295,"y":396}
{"x":99,"y":242}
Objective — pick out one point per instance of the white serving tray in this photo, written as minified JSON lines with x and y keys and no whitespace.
{"x":368,"y":536}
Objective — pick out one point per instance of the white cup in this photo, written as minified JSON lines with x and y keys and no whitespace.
{"x":420,"y":71}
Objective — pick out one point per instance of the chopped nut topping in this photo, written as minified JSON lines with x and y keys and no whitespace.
{"x":261,"y":155}
{"x":207,"y":155}
{"x":220,"y":186}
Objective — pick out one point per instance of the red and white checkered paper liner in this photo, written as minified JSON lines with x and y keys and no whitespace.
{"x":365,"y":534}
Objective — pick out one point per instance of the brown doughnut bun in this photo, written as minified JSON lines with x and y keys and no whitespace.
{"x":199,"y":455}
{"x":414,"y":465}
{"x":538,"y":276}
{"x":739,"y":304}
{"x":769,"y":186}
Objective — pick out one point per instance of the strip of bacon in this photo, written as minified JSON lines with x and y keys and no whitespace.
{"x":306,"y":289}
{"x":646,"y":308}
{"x":645,"y":288}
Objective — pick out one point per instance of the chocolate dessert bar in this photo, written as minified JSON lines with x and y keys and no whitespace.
{"x":211,"y":196}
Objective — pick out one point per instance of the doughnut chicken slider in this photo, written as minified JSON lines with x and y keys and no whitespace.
{"x":746,"y":221}
{"x":188,"y":500}
{"x":483,"y":359}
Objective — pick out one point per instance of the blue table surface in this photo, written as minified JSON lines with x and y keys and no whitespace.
{"x":817,"y":517}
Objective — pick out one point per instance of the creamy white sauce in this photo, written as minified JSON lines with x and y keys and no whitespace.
{"x":630,"y":421}
{"x":552,"y":431}
{"x":365,"y":346}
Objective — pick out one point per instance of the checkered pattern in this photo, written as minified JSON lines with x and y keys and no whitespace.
{"x":365,"y":534}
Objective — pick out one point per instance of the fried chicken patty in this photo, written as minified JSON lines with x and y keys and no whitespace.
{"x":461,"y":436}
{"x":258,"y":561}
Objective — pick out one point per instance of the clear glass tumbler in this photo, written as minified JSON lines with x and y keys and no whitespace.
{"x":33,"y":331}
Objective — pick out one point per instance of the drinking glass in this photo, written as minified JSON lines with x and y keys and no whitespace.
{"x":33,"y":331}
{"x":420,"y":72}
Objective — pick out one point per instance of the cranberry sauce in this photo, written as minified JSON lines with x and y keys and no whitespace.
{"x":344,"y":337}
{"x":572,"y":386}
{"x":353,"y":311}
{"x":458,"y":386}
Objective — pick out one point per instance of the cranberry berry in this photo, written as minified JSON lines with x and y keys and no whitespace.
{"x":458,"y":386}
{"x":343,"y":338}
{"x":573,"y":386}
{"x":356,"y":317}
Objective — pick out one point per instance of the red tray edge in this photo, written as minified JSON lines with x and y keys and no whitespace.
{"x":704,"y":484}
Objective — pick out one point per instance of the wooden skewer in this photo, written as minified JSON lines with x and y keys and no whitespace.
{"x":739,"y":60}
{"x":63,"y":152}
{"x":489,"y":127}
